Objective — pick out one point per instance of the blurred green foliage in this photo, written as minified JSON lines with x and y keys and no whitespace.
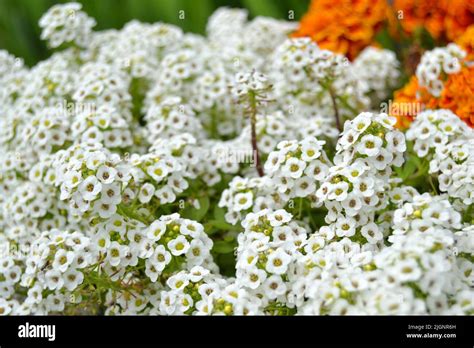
{"x":19,"y":31}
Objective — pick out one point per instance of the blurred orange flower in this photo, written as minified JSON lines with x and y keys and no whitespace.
{"x":408,"y":102}
{"x":457,"y":96}
{"x":466,"y":41}
{"x":444,"y":19}
{"x":343,"y":26}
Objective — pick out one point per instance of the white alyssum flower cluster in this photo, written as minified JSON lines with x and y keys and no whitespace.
{"x":176,"y":241}
{"x":434,"y":129}
{"x":267,"y":247}
{"x":380,"y":69}
{"x":192,"y":292}
{"x":436,"y":63}
{"x":297,"y":167}
{"x":271,"y":129}
{"x":419,"y":271}
{"x":58,"y":264}
{"x":448,"y":144}
{"x":356,"y":186}
{"x":305,"y":77}
{"x":129,"y":181}
{"x":66,"y":24}
{"x":244,"y":195}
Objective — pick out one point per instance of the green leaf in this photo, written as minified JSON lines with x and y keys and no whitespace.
{"x":221,"y":225}
{"x":226,"y":263}
{"x":229,"y":238}
{"x":385,"y":40}
{"x":409,"y":168}
{"x":197,"y":214}
{"x":219,"y":213}
{"x":222,"y":247}
{"x":263,"y":8}
{"x":425,"y":39}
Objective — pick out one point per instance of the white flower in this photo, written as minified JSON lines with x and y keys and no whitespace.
{"x":345,"y":227}
{"x":396,"y":141}
{"x":274,"y":287}
{"x":406,"y":270}
{"x":146,"y":193}
{"x":191,"y":228}
{"x":95,"y":159}
{"x":243,"y":201}
{"x":279,"y":217}
{"x":54,"y":279}
{"x":90,"y":188}
{"x":106,"y":174}
{"x":178,"y":246}
{"x":63,"y":259}
{"x":158,"y":171}
{"x":294,"y":167}
{"x":72,"y":279}
{"x":362,"y":122}
{"x":371,"y":233}
{"x":254,"y":277}
{"x":304,"y":187}
{"x":369,"y":145}
{"x":339,"y":191}
{"x":277,"y":262}
{"x":111,"y":194}
{"x":104,"y":209}
{"x":156,"y":230}
{"x":116,"y":253}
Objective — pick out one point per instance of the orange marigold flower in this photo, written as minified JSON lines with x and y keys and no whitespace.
{"x":459,"y":16}
{"x":444,"y":19}
{"x":458,"y":95}
{"x":343,"y":26}
{"x":408,"y":102}
{"x":466,"y":41}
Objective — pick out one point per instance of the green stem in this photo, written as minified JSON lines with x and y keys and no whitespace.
{"x":333,"y":96}
{"x":347,"y":105}
{"x":213,"y":123}
{"x":300,"y":209}
{"x":253,"y":126}
{"x":430,"y":180}
{"x":127,"y":212}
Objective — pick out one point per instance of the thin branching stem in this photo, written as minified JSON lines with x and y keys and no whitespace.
{"x":336,"y":109}
{"x":253,"y":126}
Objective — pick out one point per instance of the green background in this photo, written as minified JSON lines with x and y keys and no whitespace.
{"x":19,"y":31}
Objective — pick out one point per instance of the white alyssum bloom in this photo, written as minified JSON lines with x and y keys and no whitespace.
{"x":178,"y":241}
{"x":127,"y":187}
{"x":435,"y":63}
{"x":301,"y":72}
{"x":299,"y":165}
{"x":245,"y":195}
{"x":270,"y":242}
{"x":447,"y":143}
{"x":66,"y":23}
{"x":380,"y":68}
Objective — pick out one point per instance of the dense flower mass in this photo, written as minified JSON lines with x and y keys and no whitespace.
{"x":245,"y":172}
{"x":458,"y":95}
{"x":446,"y":19}
{"x":466,"y":41}
{"x":345,"y":27}
{"x":64,"y":24}
{"x":444,"y":79}
{"x":380,"y":68}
